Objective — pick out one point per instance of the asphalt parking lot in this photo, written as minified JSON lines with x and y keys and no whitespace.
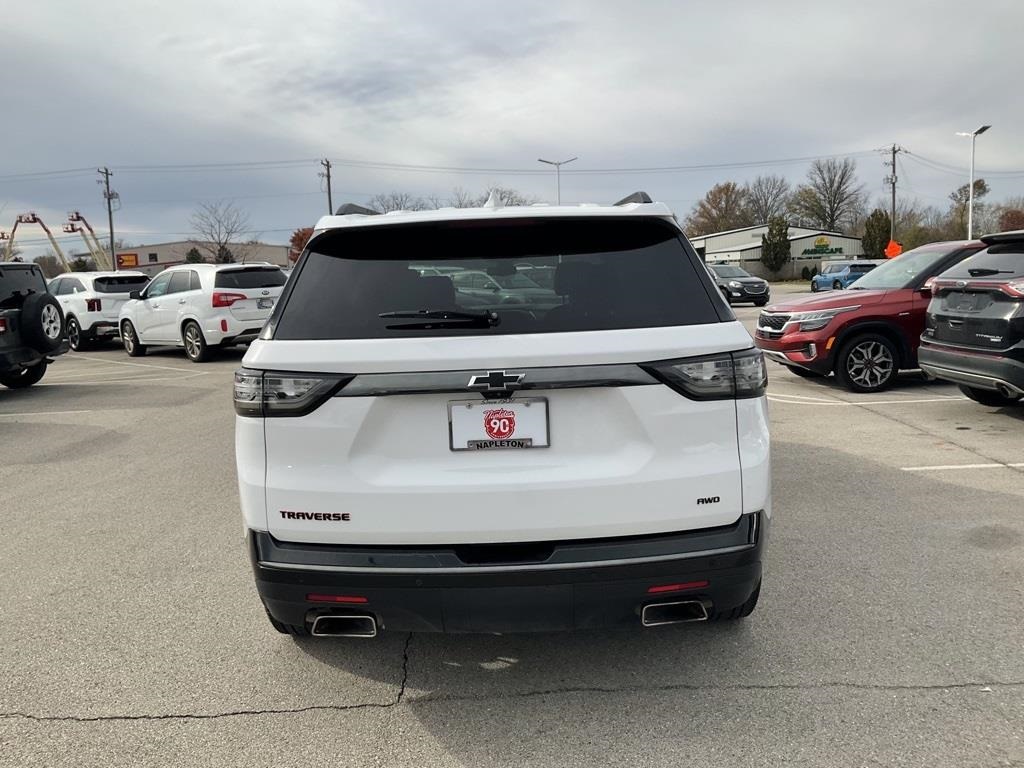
{"x":888,"y":633}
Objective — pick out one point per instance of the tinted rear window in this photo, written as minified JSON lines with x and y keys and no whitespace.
{"x":119,"y":284}
{"x":253,"y":277}
{"x":17,"y":282}
{"x":607,"y":274}
{"x":1005,"y":260}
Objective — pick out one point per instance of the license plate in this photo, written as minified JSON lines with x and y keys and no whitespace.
{"x":480,"y":425}
{"x":265,"y":304}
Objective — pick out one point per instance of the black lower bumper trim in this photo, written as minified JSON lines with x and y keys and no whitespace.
{"x":984,"y":371}
{"x":574,"y":595}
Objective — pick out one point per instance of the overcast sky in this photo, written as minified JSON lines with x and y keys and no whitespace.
{"x":487,"y":85}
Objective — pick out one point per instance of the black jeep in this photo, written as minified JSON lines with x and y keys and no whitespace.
{"x":31,"y":325}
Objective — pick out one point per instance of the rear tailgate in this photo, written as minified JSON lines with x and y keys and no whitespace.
{"x":260,"y":285}
{"x":978,"y":316}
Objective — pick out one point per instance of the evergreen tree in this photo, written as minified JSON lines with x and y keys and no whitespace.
{"x":775,"y":245}
{"x":876,"y":234}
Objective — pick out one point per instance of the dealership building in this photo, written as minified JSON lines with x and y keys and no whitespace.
{"x":808,"y":247}
{"x":157,"y":257}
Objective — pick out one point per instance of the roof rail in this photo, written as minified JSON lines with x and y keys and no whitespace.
{"x":351,"y":208}
{"x":636,"y":197}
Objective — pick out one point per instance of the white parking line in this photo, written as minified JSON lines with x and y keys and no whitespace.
{"x":123,"y":362}
{"x":140,"y":377}
{"x":42,"y":413}
{"x":950,"y":467}
{"x":789,"y":400}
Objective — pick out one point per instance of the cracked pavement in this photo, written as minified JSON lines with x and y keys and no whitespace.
{"x":889,"y":631}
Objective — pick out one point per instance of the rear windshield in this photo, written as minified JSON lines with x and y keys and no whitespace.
{"x":17,"y":282}
{"x":606,"y":274}
{"x":125,"y":284}
{"x":251,"y":277}
{"x":1001,"y":261}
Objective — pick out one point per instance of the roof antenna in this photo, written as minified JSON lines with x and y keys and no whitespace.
{"x":494,"y":200}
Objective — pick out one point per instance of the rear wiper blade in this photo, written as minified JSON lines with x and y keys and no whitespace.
{"x":484,"y":319}
{"x":987,"y":271}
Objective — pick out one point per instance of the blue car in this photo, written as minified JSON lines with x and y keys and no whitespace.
{"x":837,"y":275}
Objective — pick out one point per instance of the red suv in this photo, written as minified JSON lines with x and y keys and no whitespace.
{"x":866,"y":334}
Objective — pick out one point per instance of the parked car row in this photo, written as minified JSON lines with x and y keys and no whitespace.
{"x":837,"y":275}
{"x":955,"y":310}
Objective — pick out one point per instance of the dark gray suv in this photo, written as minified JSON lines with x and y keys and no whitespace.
{"x":31,"y":325}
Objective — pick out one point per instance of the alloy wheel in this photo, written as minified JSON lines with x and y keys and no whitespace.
{"x":128,"y":337}
{"x":51,"y":322}
{"x":193,"y":344}
{"x":870,"y":364}
{"x":74,"y":334}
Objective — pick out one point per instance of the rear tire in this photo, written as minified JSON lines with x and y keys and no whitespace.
{"x":195,"y":343}
{"x":988,"y":397}
{"x":814,"y":287}
{"x":867,"y":363}
{"x":130,"y":339}
{"x":26,"y":377}
{"x":741,"y":611}
{"x":76,"y":337}
{"x":836,"y":285}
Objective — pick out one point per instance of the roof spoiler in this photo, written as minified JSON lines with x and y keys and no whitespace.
{"x":636,"y":197}
{"x":1003,"y":237}
{"x":351,"y":208}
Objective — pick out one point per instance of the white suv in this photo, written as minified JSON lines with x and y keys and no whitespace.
{"x":92,"y":301}
{"x":201,"y":306}
{"x":409,"y":460}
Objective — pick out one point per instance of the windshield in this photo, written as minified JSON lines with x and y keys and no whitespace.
{"x":608,"y":274}
{"x":730,"y":272}
{"x":903,"y":271}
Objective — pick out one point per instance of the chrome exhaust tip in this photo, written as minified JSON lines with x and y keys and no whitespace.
{"x":656,"y":614}
{"x":344,"y":625}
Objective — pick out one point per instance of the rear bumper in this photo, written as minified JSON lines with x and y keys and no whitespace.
{"x":582,"y":584}
{"x":973,"y":369}
{"x":102,"y":328}
{"x":16,"y":358}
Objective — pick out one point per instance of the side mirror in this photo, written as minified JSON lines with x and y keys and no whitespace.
{"x":135,"y":295}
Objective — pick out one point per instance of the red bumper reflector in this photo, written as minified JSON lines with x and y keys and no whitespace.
{"x":224,"y":325}
{"x":677,"y":587}
{"x":336,"y":599}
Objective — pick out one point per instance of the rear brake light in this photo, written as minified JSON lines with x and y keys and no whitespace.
{"x":3,"y":325}
{"x":1014,"y":289}
{"x":221,"y":299}
{"x":717,"y":377}
{"x":93,"y":305}
{"x":314,"y":598}
{"x":657,"y":590}
{"x":268,"y":393}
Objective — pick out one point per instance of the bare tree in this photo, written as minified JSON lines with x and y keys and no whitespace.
{"x":396,"y":201}
{"x":462,"y":198}
{"x":767,"y":197}
{"x":722,"y":208}
{"x":218,"y":227}
{"x":832,"y":198}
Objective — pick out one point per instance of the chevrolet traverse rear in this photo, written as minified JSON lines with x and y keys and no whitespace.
{"x":414,"y":458}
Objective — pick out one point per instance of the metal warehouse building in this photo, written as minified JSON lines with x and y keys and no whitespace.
{"x":807,"y":248}
{"x":157,"y":257}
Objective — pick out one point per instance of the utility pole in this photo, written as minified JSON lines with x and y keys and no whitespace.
{"x":110,"y":196}
{"x":891,"y":181}
{"x":327,"y":175}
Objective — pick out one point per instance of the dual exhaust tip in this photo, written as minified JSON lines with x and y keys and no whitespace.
{"x":651,"y":615}
{"x":345,"y":625}
{"x":677,"y":612}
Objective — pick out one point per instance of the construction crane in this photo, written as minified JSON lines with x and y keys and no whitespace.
{"x":103,"y":259}
{"x":33,"y":218}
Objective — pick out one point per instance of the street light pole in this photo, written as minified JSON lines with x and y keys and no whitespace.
{"x":970,"y":190}
{"x":558,"y":175}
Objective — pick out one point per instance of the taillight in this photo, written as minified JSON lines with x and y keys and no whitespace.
{"x":1014,"y":289}
{"x":268,"y":393}
{"x":3,"y":325}
{"x":227,"y":299}
{"x":716,"y":377}
{"x":93,"y":305}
